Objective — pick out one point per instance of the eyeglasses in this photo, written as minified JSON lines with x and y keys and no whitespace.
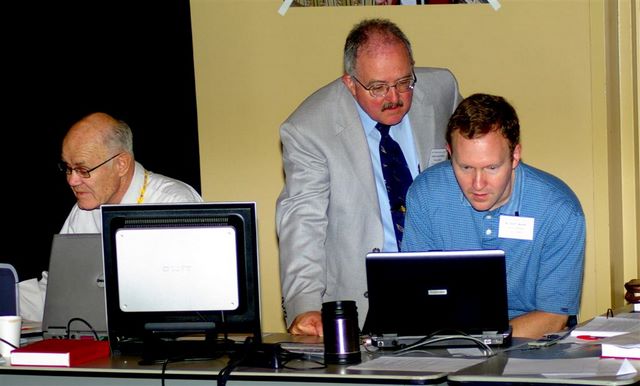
{"x":82,"y":172}
{"x":379,"y":90}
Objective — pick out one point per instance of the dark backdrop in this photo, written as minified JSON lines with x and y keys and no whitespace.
{"x":64,"y":59}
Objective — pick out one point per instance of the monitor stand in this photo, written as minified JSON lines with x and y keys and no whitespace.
{"x":181,"y":341}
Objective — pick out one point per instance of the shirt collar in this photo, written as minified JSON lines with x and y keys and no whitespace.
{"x":131,"y":196}
{"x":368,"y":123}
{"x":512,"y":207}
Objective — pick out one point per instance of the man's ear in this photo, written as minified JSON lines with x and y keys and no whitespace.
{"x":351,"y":85}
{"x":124,"y":162}
{"x":448,"y":147}
{"x":517,"y":154}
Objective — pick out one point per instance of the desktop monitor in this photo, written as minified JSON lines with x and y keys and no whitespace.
{"x":174,"y":271}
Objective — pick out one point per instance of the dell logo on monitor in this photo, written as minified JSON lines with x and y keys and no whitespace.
{"x":176,"y":268}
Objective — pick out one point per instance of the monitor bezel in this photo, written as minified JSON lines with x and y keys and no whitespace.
{"x":127,"y":327}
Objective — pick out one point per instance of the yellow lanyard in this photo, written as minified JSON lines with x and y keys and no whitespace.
{"x":144,"y":187}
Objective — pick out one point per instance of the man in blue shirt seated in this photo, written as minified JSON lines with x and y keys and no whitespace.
{"x":484,"y":197}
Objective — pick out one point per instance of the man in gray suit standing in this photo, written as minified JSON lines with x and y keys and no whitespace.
{"x":338,"y":202}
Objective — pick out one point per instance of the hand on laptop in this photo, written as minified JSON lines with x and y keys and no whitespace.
{"x":307,"y":323}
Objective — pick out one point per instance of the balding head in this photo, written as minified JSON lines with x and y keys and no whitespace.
{"x":100,"y":133}
{"x":102,"y":145}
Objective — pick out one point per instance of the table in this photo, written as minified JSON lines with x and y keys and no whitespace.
{"x":125,"y":370}
{"x":492,"y":371}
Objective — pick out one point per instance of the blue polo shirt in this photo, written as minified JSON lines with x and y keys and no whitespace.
{"x":544,"y":270}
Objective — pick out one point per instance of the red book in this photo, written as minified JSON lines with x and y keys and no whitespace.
{"x":59,"y":352}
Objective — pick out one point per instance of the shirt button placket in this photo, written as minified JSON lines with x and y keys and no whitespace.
{"x":489,"y":225}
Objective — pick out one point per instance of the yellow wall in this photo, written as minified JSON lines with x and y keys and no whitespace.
{"x":254,"y":66}
{"x":623,"y":141}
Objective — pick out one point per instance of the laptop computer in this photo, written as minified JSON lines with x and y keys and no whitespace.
{"x":413,"y":295}
{"x":75,"y":287}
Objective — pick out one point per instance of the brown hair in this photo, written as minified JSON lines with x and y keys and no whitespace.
{"x":480,"y":114}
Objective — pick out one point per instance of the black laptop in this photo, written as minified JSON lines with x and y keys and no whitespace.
{"x":413,"y":295}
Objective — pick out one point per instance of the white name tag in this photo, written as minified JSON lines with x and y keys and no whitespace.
{"x":437,"y":155}
{"x":516,"y":227}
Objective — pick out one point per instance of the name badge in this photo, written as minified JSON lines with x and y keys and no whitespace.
{"x":516,"y":227}
{"x":437,"y":155}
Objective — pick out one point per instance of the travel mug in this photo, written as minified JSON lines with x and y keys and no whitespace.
{"x":341,"y":332}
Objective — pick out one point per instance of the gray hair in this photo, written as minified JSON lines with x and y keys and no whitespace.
{"x":119,"y":137}
{"x":363,"y":31}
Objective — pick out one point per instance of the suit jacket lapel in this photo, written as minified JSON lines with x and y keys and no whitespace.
{"x":352,"y":137}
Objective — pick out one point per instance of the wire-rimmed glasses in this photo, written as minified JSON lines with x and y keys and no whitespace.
{"x":81,"y":171}
{"x":379,"y":90}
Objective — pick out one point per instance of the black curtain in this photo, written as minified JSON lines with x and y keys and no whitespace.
{"x":64,"y":59}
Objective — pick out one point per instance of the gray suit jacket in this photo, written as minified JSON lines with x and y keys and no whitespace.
{"x":327,"y":215}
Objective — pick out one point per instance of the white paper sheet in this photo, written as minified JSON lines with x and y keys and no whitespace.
{"x":416,"y":364}
{"x":568,"y":368}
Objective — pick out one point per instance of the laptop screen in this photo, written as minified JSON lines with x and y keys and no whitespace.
{"x":441,"y":292}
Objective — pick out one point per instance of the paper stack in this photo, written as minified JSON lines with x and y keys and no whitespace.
{"x":602,"y":327}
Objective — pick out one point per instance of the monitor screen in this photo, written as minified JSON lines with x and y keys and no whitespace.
{"x":159,"y":269}
{"x":180,"y":269}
